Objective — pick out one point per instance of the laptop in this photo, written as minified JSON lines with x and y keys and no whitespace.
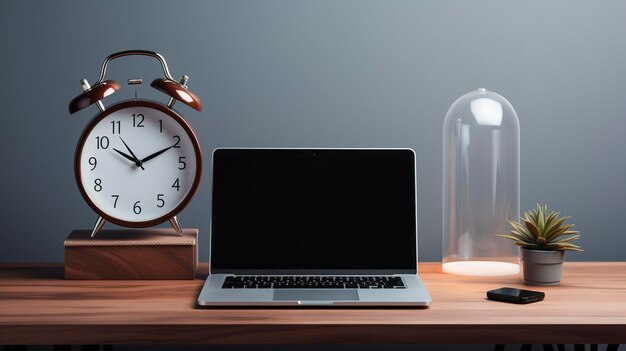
{"x":313,"y":227}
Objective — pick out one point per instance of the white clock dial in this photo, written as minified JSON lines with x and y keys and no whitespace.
{"x":137,"y":164}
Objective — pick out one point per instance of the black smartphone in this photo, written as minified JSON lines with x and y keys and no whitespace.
{"x":515,"y":295}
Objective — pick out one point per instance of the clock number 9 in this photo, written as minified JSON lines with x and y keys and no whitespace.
{"x":93,"y":162}
{"x":137,"y":208}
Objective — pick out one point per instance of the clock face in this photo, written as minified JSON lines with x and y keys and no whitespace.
{"x":138,"y":164}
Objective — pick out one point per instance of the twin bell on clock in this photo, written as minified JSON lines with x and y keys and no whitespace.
{"x":138,"y":162}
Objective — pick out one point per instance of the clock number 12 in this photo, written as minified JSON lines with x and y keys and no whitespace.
{"x":138,"y":120}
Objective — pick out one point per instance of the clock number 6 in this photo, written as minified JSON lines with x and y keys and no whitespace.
{"x":137,"y":208}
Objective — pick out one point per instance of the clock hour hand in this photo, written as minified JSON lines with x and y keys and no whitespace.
{"x":125,"y":155}
{"x":135,"y":159}
{"x":150,"y":157}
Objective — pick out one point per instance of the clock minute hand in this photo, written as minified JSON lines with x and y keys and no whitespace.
{"x":136,"y":160}
{"x":150,"y":157}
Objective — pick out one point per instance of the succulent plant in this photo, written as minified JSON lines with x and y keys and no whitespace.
{"x":540,"y":230}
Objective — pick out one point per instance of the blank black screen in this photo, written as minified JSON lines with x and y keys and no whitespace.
{"x":313,"y":209}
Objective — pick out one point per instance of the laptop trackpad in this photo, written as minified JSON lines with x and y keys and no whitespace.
{"x":316,"y":295}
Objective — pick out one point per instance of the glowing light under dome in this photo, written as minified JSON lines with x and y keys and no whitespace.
{"x":481,"y":268}
{"x":487,"y":112}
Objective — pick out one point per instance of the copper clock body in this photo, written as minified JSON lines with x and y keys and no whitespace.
{"x":190,"y":147}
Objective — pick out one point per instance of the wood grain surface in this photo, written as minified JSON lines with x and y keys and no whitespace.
{"x":37,"y":306}
{"x":131,"y":254}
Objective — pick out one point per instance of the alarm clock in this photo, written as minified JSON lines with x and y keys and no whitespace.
{"x":138,"y":162}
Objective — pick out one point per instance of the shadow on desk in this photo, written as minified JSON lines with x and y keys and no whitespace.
{"x":25,"y":271}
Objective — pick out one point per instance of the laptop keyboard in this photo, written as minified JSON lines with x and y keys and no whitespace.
{"x":312,"y":282}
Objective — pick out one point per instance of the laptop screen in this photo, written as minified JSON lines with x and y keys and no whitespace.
{"x":294,"y":210}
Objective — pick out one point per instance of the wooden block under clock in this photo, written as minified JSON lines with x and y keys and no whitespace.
{"x":131,"y":254}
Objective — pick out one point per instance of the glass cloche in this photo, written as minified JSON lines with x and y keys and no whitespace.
{"x":481,"y":185}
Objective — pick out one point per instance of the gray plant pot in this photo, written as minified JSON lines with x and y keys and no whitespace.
{"x":542,"y":267}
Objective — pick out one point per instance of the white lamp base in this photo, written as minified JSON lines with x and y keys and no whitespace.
{"x":481,"y":268}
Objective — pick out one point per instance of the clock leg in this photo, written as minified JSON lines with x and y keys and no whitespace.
{"x":96,"y":228}
{"x":174,"y":223}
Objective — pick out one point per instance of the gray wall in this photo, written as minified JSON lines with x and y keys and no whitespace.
{"x":322,"y":73}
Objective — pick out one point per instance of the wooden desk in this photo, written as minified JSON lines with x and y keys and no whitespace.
{"x":38,"y":307}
